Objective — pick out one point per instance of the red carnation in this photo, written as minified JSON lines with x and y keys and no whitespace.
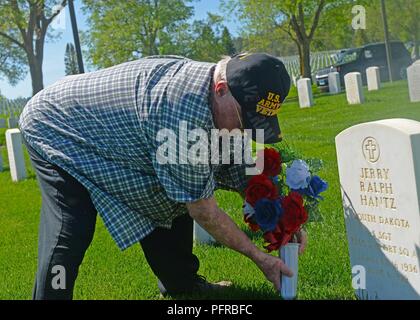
{"x":276,"y":239}
{"x":260,"y":187}
{"x":272,"y":162}
{"x":294,"y":215}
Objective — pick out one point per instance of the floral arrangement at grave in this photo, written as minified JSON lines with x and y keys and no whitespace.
{"x":284,"y":196}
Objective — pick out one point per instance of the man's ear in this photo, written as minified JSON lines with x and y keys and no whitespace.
{"x":221,"y":88}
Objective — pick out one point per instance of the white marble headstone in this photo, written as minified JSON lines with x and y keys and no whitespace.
{"x":334,"y":82}
{"x":304,"y":87}
{"x":379,"y":168}
{"x":15,"y":154}
{"x":354,"y":89}
{"x":201,"y":236}
{"x":413,"y":75}
{"x":373,"y":78}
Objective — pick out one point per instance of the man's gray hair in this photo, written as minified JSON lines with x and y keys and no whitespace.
{"x":220,"y":72}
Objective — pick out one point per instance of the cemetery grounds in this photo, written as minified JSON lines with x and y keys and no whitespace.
{"x":106,"y":273}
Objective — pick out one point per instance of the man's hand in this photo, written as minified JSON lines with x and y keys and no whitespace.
{"x":216,"y":222}
{"x":273,"y":268}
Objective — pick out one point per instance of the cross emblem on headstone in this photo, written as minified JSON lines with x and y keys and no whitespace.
{"x":371,"y":148}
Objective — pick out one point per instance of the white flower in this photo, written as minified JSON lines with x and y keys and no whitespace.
{"x":298,"y":175}
{"x":248,"y":210}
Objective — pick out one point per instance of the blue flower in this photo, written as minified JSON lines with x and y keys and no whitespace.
{"x":267,"y":214}
{"x":315,"y":188}
{"x":298,"y":175}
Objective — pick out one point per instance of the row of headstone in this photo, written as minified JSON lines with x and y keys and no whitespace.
{"x":14,"y":147}
{"x":12,"y":107}
{"x":11,"y":123}
{"x":354,"y":85}
{"x":379,"y":170}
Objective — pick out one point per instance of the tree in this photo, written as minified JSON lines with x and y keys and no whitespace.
{"x":70,"y":60}
{"x":120,"y":31}
{"x":404,"y":21}
{"x":206,"y":42}
{"x":12,"y":61}
{"x":25,"y":24}
{"x":227,"y":42}
{"x":298,"y":18}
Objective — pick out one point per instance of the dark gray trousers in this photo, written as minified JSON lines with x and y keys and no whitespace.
{"x":67,"y":226}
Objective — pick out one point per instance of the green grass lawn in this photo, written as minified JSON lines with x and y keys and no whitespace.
{"x":109,"y":274}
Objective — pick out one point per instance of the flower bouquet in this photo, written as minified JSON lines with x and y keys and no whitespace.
{"x":279,"y":201}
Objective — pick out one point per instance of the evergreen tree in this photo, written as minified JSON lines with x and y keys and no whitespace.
{"x":70,"y":60}
{"x":227,"y":42}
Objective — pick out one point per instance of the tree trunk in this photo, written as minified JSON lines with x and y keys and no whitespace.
{"x":35,"y":67}
{"x":416,"y":47}
{"x":305,"y":60}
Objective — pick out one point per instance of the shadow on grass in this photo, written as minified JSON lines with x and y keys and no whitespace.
{"x":231,"y":293}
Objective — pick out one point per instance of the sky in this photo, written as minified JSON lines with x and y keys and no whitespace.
{"x":54,"y":51}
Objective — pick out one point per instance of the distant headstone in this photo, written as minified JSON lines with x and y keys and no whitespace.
{"x":304,"y":88}
{"x":413,"y":75}
{"x":2,"y":123}
{"x":201,"y":236}
{"x":12,"y":122}
{"x":334,"y":82}
{"x":15,"y":153}
{"x":354,"y":90}
{"x":379,"y":168}
{"x":373,"y":78}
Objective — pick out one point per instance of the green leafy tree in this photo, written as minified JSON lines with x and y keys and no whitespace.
{"x":227,"y":42}
{"x":298,"y":18}
{"x":404,"y":20}
{"x":70,"y":60}
{"x":266,"y":22}
{"x":12,"y":62}
{"x":120,"y":31}
{"x":25,"y":25}
{"x":206,"y":42}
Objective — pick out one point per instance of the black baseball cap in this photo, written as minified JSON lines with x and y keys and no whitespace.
{"x":260,"y":83}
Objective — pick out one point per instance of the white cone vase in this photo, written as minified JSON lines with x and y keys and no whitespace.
{"x":201,"y":236}
{"x":290,"y":256}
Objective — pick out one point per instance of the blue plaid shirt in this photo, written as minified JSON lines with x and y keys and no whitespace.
{"x":101,"y":128}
